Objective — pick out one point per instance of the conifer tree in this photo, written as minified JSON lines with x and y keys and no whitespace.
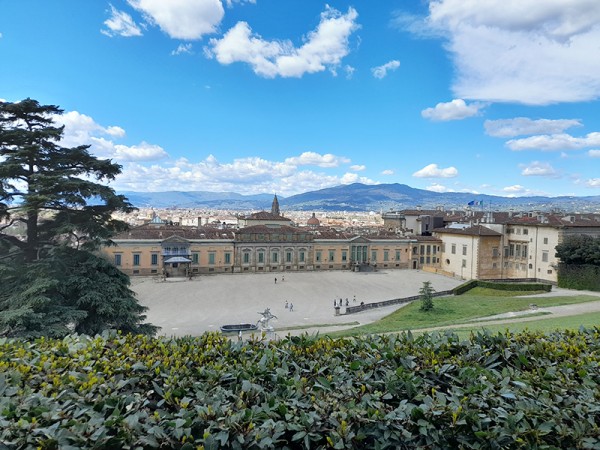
{"x":55,"y":209}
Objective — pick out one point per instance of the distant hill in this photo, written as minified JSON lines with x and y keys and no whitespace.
{"x":354,"y":197}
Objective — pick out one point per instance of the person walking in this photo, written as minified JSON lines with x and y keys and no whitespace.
{"x":275,"y":280}
{"x":291,"y":307}
{"x":286,"y":305}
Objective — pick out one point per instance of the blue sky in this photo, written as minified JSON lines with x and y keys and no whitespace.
{"x":272,"y":96}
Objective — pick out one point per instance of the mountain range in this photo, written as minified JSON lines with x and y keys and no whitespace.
{"x":357,"y":197}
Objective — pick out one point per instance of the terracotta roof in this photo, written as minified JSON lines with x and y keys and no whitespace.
{"x":153,"y":232}
{"x":265,"y":215}
{"x":476,"y":230}
{"x":266,"y":229}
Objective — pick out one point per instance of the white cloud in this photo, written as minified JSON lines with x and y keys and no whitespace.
{"x":435,"y":187}
{"x":456,"y":109}
{"x":527,"y":51}
{"x":183,"y":48}
{"x":323,"y":48}
{"x":593,"y":183}
{"x":182,"y":19}
{"x":358,"y":167}
{"x":537,"y":168}
{"x":514,"y":190}
{"x":387,"y":172}
{"x":381,"y":71}
{"x":316,"y":159}
{"x":349,"y":71}
{"x":523,"y":126}
{"x":120,"y":24}
{"x":594,"y":153}
{"x":241,"y":175}
{"x":554,"y":142}
{"x":433,"y":171}
{"x":230,"y":3}
{"x":81,"y":129}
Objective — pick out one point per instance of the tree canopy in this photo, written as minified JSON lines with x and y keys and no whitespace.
{"x":56,"y":208}
{"x":579,"y":249}
{"x":56,"y":192}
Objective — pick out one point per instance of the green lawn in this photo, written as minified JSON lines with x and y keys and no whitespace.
{"x":587,"y":320}
{"x":455,"y":310}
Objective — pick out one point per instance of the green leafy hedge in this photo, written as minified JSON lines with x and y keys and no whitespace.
{"x":524,"y":390}
{"x":584,"y":276}
{"x":501,"y":286}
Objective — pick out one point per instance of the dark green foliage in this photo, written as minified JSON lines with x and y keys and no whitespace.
{"x":579,"y":250}
{"x":56,"y":208}
{"x":581,"y":276}
{"x":426,"y":294}
{"x":49,"y":188}
{"x":465,"y":287}
{"x":67,"y":291}
{"x":504,"y":391}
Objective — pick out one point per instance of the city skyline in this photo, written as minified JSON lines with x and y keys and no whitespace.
{"x":259,"y":96}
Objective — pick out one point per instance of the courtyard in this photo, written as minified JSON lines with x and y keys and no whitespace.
{"x":184,"y":307}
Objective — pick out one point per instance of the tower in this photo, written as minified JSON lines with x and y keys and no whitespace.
{"x":275,"y":207}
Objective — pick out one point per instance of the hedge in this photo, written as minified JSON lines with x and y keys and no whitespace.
{"x":514,"y":286}
{"x":585,"y":276}
{"x":527,"y":390}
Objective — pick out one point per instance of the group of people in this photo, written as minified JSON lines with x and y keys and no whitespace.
{"x":289,"y":305}
{"x":340,"y":302}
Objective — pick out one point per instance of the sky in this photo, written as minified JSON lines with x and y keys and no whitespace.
{"x":497,"y":97}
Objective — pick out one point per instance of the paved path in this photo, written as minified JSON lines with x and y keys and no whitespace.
{"x":183,"y":307}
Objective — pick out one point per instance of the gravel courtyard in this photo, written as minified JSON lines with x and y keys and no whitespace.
{"x":183,"y":307}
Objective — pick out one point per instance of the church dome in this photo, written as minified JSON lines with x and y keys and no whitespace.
{"x":313,"y":221}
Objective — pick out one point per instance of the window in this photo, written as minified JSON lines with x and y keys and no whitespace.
{"x":274,"y":256}
{"x":195,"y":258}
{"x":464,"y":263}
{"x":136,"y":259}
{"x":511,"y":252}
{"x":518,"y":250}
{"x":246,"y":257}
{"x":429,"y":249}
{"x":453,"y":249}
{"x":545,"y":256}
{"x":261,"y":257}
{"x":464,"y":250}
{"x":288,"y":257}
{"x":524,"y":251}
{"x":211,"y":258}
{"x":525,"y":231}
{"x":154,"y":259}
{"x":386,"y":255}
{"x":117,"y":260}
{"x":373,"y":255}
{"x":331,"y":255}
{"x":546,"y":241}
{"x":495,"y":253}
{"x":344,"y":255}
{"x":301,"y":256}
{"x":318,"y":256}
{"x":227,"y":258}
{"x":397,"y":255}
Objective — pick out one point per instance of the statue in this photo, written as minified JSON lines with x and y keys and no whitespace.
{"x":263,"y":322}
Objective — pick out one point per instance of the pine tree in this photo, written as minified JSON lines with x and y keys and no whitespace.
{"x":426,"y":293}
{"x":51,"y":282}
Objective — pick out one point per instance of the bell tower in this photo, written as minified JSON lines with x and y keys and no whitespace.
{"x":275,"y":207}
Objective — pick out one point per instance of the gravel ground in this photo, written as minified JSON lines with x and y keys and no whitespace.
{"x":182,"y":307}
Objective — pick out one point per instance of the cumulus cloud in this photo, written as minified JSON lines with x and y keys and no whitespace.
{"x":81,"y":129}
{"x":593,"y":183}
{"x":538,"y":169}
{"x":241,"y":175}
{"x":316,"y":159}
{"x":382,"y":71}
{"x":182,"y":48}
{"x":435,"y":187}
{"x":520,"y":126}
{"x":182,"y":19}
{"x":358,"y":167}
{"x":554,"y":142}
{"x":515,"y":189}
{"x":387,"y":172}
{"x":433,"y":171}
{"x":120,"y":24}
{"x":594,"y":153}
{"x":456,"y":109}
{"x":324,"y":48}
{"x":523,"y":51}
